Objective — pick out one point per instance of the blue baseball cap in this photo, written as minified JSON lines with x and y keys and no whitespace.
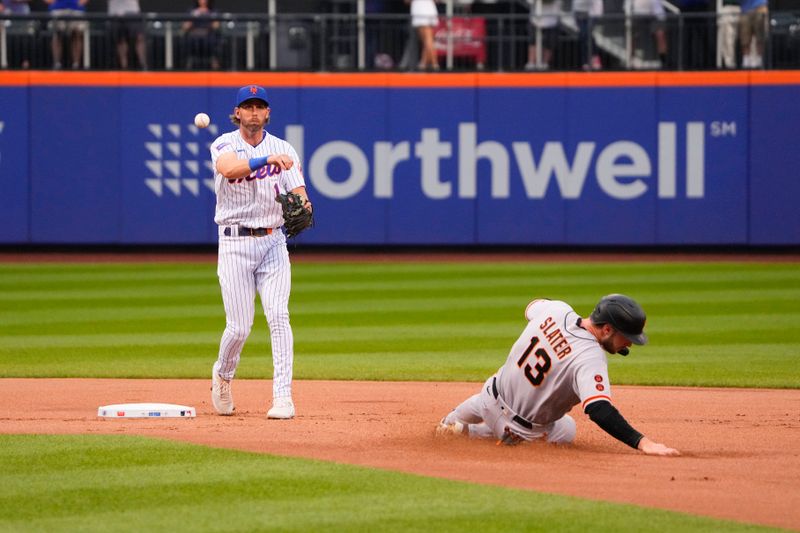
{"x":251,"y":92}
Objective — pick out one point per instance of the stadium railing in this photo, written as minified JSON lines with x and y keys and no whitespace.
{"x":353,"y":42}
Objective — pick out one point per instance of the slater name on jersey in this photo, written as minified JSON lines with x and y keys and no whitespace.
{"x":557,"y":341}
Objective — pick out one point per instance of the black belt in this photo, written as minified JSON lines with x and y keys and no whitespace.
{"x":250,"y":232}
{"x":518,"y":419}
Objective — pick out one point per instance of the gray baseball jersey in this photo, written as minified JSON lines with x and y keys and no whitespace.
{"x":554,"y":365}
{"x":250,"y":201}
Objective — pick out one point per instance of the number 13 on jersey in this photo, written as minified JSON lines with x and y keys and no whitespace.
{"x":535,"y":374}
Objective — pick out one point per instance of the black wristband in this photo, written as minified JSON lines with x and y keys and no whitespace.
{"x":612,"y":422}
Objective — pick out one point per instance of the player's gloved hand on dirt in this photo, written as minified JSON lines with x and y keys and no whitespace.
{"x":297,"y":213}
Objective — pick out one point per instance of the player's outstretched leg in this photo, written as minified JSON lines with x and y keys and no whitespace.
{"x":450,"y":425}
{"x":464,"y":419}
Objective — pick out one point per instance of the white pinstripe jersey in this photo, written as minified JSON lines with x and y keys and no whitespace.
{"x":250,"y":201}
{"x":553,"y":366}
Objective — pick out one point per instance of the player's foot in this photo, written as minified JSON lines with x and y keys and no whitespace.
{"x":455,"y":428}
{"x":221,"y":396}
{"x":282,"y":409}
{"x":509,"y":438}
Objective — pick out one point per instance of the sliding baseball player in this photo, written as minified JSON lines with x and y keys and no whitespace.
{"x":557,"y":362}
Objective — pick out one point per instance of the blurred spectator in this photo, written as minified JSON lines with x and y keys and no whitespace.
{"x":19,"y":44}
{"x":380,"y":34}
{"x":71,"y":29}
{"x":588,"y":53}
{"x":15,"y":7}
{"x":753,"y":30}
{"x":649,"y":21}
{"x":698,"y":30}
{"x":545,"y":15}
{"x":202,"y":36}
{"x":424,"y":17}
{"x":124,"y":30}
{"x":410,"y":51}
{"x":727,"y":26}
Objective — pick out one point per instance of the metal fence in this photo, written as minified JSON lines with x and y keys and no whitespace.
{"x":352,"y":42}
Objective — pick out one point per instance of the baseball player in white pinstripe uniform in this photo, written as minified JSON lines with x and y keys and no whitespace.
{"x":250,"y":168}
{"x":557,"y":363}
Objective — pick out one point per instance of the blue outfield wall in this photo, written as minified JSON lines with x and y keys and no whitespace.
{"x":639,"y":165}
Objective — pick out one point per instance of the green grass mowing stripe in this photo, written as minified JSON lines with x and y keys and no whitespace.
{"x":22,"y":282}
{"x":101,"y":268}
{"x":9,"y":320}
{"x":112,"y":302}
{"x":516,"y":284}
{"x":208,"y":317}
{"x":766,"y":365}
{"x":738,"y":302}
{"x":105,"y":340}
{"x":381,"y":327}
{"x":388,"y":328}
{"x":787,"y":280}
{"x":178,"y":362}
{"x":108,"y":271}
{"x":194,"y":362}
{"x":420,"y":332}
{"x":423,"y":280}
{"x":769,"y":365}
{"x":443,"y":268}
{"x":133,"y":292}
{"x":490,"y":268}
{"x":414,"y":309}
{"x":327,"y":313}
{"x":102,"y":483}
{"x":387,"y":337}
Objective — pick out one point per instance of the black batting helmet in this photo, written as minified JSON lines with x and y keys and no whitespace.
{"x":624,"y":314}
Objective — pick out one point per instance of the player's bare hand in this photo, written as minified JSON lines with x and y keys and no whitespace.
{"x":656,"y":448}
{"x":282,"y":160}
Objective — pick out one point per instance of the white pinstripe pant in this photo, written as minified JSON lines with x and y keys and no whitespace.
{"x":246,"y":265}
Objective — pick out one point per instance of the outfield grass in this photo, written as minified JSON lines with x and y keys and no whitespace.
{"x":111,"y":483}
{"x":714,"y":324}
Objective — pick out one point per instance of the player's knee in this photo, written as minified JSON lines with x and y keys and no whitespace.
{"x":450,"y":418}
{"x":237,"y":332}
{"x":564,"y":431}
{"x":277,"y":316}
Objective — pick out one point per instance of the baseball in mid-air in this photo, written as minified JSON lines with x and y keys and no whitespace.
{"x":201,"y":120}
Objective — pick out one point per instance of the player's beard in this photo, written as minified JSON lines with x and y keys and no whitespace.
{"x":254,"y":126}
{"x":608,"y":344}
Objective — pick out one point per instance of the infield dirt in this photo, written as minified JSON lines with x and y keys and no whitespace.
{"x":741,"y":458}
